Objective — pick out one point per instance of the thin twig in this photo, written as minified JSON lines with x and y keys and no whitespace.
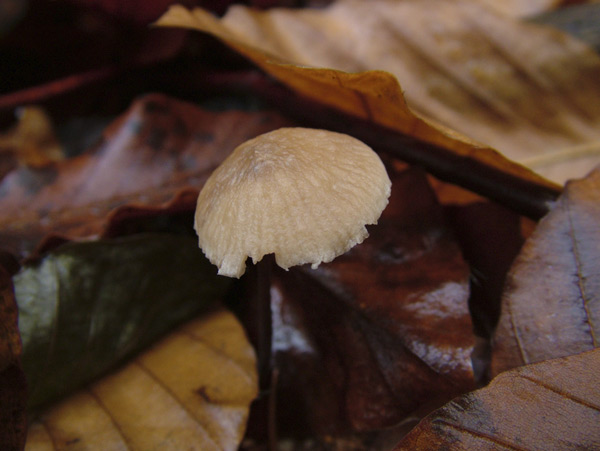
{"x":525,"y":196}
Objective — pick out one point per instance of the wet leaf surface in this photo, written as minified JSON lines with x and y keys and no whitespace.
{"x":552,"y":405}
{"x":192,"y":390}
{"x":381,"y":331}
{"x":551,"y":303}
{"x":87,"y":306}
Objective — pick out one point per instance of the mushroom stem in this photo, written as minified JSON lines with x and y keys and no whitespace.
{"x":267,"y":376}
{"x":264,"y":320}
{"x":303,"y":194}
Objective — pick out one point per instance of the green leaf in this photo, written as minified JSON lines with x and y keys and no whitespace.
{"x":87,"y":306}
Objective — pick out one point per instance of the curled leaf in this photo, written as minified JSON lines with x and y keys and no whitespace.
{"x":551,"y":302}
{"x":463,"y":68}
{"x":552,"y":405}
{"x":86,"y":306}
{"x":192,"y":390}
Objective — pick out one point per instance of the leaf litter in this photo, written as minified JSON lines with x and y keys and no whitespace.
{"x":358,"y":319}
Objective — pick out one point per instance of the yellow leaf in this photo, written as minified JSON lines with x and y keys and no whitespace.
{"x":190,"y":391}
{"x":465,"y":70}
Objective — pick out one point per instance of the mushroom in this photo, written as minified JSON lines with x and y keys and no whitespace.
{"x":301,"y":194}
{"x":304,"y":195}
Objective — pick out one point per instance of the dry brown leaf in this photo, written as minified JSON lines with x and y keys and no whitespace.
{"x":160,"y":150}
{"x":192,"y":390}
{"x":520,"y":88}
{"x":553,"y":405}
{"x":551,"y":301}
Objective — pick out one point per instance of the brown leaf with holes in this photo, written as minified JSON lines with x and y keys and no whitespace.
{"x":551,"y":302}
{"x":552,"y":405}
{"x":156,"y":156}
{"x":192,"y":390}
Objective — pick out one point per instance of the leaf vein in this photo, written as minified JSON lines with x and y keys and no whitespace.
{"x":217,"y":351}
{"x":515,"y":329}
{"x":49,"y":432}
{"x":580,"y":277}
{"x":181,"y":402}
{"x":560,"y":392}
{"x":480,"y":435}
{"x":111,"y":417}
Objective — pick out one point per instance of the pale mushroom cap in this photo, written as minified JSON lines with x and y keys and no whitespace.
{"x":303,"y":194}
